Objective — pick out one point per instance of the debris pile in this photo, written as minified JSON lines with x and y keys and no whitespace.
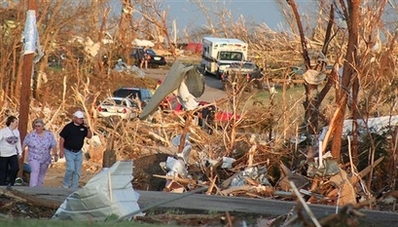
{"x":322,"y":181}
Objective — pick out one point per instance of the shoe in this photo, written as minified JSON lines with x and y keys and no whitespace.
{"x":18,"y":182}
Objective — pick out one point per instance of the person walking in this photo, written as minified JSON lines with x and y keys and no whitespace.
{"x":40,"y":142}
{"x":10,"y":151}
{"x":144,"y":58}
{"x":70,"y":145}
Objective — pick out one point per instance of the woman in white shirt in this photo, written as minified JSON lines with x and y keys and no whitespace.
{"x":10,"y":151}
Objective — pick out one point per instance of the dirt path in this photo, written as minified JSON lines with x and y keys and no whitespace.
{"x":56,"y":171}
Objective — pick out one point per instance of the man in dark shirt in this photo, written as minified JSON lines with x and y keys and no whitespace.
{"x":70,"y":145}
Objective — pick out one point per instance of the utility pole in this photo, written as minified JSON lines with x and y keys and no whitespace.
{"x":24,"y":99}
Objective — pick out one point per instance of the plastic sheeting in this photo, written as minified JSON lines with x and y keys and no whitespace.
{"x":108,"y":194}
{"x":31,"y":36}
{"x":257,"y":173}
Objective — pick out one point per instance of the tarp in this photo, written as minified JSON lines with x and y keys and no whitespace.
{"x":188,"y":82}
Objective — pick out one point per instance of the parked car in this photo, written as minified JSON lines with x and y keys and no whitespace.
{"x":124,"y":108}
{"x":153,"y":58}
{"x":143,"y":94}
{"x":246,"y":72}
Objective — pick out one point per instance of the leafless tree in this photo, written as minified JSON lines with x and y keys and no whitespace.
{"x":10,"y":49}
{"x":153,"y":24}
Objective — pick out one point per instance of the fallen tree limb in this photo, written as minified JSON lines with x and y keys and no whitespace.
{"x":31,"y":199}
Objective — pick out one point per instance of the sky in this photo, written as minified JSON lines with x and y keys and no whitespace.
{"x":261,"y":11}
{"x":189,"y":15}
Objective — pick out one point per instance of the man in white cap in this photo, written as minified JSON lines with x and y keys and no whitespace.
{"x":70,"y":145}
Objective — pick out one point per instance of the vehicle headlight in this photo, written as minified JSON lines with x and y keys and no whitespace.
{"x":222,"y":68}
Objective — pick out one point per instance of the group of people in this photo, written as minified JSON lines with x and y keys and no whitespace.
{"x":41,"y":146}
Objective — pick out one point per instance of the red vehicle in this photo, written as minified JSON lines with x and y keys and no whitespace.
{"x":208,"y":111}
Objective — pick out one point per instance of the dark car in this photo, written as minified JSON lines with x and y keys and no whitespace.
{"x":133,"y":92}
{"x":153,"y":58}
{"x":247,"y":72}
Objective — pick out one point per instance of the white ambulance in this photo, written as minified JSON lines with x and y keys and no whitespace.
{"x":220,"y":53}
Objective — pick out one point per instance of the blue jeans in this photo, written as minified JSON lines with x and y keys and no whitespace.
{"x":74,"y":161}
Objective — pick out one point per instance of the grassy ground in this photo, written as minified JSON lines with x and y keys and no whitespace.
{"x":292,"y":94}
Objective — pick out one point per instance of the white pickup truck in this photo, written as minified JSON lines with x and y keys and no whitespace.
{"x":247,"y":73}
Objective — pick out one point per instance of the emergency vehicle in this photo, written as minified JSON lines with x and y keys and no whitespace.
{"x":220,"y":53}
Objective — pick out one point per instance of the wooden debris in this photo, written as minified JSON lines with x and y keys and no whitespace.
{"x":260,"y":189}
{"x":31,"y":199}
{"x":355,"y":178}
{"x":346,"y":192}
{"x":212,"y":185}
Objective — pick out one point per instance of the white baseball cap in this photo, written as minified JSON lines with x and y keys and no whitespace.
{"x":79,"y":114}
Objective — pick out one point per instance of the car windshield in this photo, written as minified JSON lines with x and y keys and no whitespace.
{"x":120,"y":102}
{"x":146,"y":94}
{"x":150,"y":51}
{"x":230,"y":56}
{"x":127,"y":93}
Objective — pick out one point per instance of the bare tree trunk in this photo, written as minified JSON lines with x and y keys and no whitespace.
{"x":124,"y":38}
{"x":311,"y":91}
{"x":101,"y":62}
{"x":109,"y":156}
{"x":352,"y":17}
